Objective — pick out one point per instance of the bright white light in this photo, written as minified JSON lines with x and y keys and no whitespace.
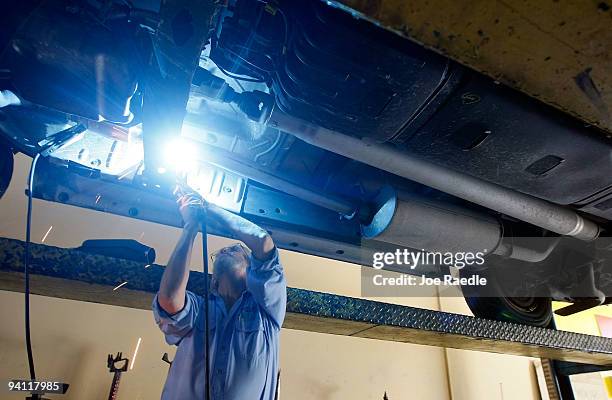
{"x":46,"y":234}
{"x":179,"y":156}
{"x":8,"y":98}
{"x":135,"y":353}
{"x":134,"y":150}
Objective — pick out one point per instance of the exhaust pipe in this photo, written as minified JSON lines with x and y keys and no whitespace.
{"x":527,"y":208}
{"x":419,"y":223}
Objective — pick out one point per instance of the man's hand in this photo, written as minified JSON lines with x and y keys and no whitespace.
{"x":254,"y":237}
{"x":190,"y":207}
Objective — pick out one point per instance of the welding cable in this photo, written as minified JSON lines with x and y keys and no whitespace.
{"x":26,"y":269}
{"x":206,"y":309}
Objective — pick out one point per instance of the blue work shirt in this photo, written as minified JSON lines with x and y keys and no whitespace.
{"x":243,"y":342}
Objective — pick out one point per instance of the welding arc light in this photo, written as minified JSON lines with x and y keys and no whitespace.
{"x":179,"y":156}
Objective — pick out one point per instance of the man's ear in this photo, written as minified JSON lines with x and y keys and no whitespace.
{"x":214,"y":284}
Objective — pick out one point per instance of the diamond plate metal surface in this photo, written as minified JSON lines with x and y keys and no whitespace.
{"x":376,"y":313}
{"x":69,"y":273}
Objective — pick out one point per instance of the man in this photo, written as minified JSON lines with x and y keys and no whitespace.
{"x":247,"y":307}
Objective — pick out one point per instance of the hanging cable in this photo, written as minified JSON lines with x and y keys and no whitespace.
{"x":182,"y":189}
{"x":26,"y":270}
{"x":206,"y":309}
{"x":237,"y":77}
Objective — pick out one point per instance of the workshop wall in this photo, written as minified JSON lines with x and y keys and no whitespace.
{"x":478,"y":375}
{"x":586,"y":386}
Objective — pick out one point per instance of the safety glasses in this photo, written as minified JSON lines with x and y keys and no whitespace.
{"x":232,"y":249}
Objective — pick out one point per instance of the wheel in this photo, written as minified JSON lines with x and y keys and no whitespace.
{"x":6,"y":168}
{"x":494,"y":304}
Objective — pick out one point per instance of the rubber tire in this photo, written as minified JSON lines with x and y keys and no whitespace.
{"x":534,"y":311}
{"x":6,"y":167}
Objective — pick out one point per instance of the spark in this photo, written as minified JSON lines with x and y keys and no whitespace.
{"x":124,"y":175}
{"x":135,"y":353}
{"x":46,"y":234}
{"x":147,"y":266}
{"x":119,"y":286}
{"x":98,"y":198}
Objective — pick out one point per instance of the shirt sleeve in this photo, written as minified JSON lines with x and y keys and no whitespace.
{"x":266,"y":283}
{"x":176,"y":326}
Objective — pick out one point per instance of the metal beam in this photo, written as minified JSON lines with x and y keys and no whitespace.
{"x":294,"y":224}
{"x":72,"y":274}
{"x":182,"y":32}
{"x":555,"y":51}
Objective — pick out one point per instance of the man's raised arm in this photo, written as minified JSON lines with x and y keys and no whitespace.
{"x":173,"y":286}
{"x":265,"y":276}
{"x":255,"y":238}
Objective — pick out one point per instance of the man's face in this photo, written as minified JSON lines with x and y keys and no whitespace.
{"x":229,"y":273}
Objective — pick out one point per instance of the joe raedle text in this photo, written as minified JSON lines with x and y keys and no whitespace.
{"x":414,"y":259}
{"x":422,"y":280}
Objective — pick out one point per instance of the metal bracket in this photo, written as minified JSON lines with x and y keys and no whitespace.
{"x":60,"y":139}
